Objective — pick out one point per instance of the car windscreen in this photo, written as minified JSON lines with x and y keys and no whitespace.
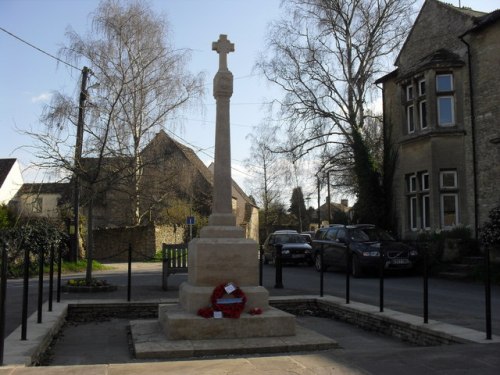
{"x":290,"y":238}
{"x":370,"y":235}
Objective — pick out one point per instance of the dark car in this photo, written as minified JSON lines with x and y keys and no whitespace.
{"x":294,"y":248}
{"x":363,"y":242}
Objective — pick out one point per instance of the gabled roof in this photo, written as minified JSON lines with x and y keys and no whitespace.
{"x":206,"y":172}
{"x":5,"y":168}
{"x":46,"y":188}
{"x":485,"y":21}
{"x":162,"y":136}
{"x":463,"y":12}
{"x":441,"y":57}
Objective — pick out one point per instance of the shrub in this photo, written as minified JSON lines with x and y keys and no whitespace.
{"x":35,"y":235}
{"x":490,"y":231}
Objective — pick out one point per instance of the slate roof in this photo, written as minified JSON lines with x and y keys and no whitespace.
{"x":5,"y":167}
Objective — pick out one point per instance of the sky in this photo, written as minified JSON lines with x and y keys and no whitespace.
{"x":28,"y":77}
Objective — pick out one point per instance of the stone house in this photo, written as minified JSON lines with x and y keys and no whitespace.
{"x":442,"y":119}
{"x":171,"y":172}
{"x":43,"y":200}
{"x":11,"y":179}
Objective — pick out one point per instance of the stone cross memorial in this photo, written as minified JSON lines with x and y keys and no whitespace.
{"x":222,"y":255}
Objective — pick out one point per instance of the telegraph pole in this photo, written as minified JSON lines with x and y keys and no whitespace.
{"x":76,"y":173}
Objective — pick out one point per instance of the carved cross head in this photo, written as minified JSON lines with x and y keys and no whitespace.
{"x":223,"y":46}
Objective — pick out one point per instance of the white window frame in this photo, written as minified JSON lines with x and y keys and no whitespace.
{"x":441,"y":179}
{"x":423,"y":116}
{"x":452,"y":101}
{"x":421,"y":84}
{"x":410,"y":118}
{"x":410,"y":94}
{"x":412,"y":183}
{"x":444,"y":75}
{"x":425,"y":186}
{"x":441,"y":209}
{"x":425,"y":222}
{"x":413,"y":213}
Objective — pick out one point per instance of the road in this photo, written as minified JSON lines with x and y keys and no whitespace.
{"x":455,"y":302}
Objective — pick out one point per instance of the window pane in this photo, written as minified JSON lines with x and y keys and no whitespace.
{"x":425,"y":181}
{"x":421,"y":88}
{"x":426,"y":212}
{"x":449,"y":210}
{"x":409,"y":92}
{"x":423,"y":115}
{"x":409,"y":119}
{"x":449,"y":179}
{"x":444,"y":82}
{"x":413,"y":212}
{"x":412,"y":183}
{"x":445,"y":110}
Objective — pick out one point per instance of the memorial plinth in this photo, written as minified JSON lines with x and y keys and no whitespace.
{"x":222,"y":254}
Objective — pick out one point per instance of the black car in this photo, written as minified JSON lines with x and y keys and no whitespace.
{"x":294,"y":248}
{"x":363,"y":242}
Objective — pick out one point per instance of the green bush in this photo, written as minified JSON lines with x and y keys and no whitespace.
{"x":6,"y":217}
{"x":34,"y":235}
{"x":490,"y":231}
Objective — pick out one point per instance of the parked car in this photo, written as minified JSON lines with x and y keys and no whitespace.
{"x":308,"y":236}
{"x":295,"y":248}
{"x":363,"y":242}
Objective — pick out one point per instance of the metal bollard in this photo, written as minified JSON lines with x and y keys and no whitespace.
{"x":261,"y":264}
{"x":279,"y":267}
{"x":3,"y":295}
{"x":426,"y":287}
{"x":51,"y":276}
{"x":381,"y":276}
{"x":129,"y":274}
{"x":321,"y":271}
{"x":24,"y":315}
{"x":40,"y":285}
{"x":348,"y":275}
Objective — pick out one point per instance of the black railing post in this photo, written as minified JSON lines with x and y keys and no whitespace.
{"x":279,"y":267}
{"x":348,"y":275}
{"x":40,"y":285}
{"x":24,"y":314}
{"x":51,"y":276}
{"x":261,"y":264}
{"x":487,"y":290}
{"x":59,"y":270}
{"x":426,"y":284}
{"x":3,"y":295}
{"x":321,"y":271}
{"x":381,"y":275}
{"x":129,"y":278}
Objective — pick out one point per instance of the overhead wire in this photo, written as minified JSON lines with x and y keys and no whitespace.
{"x":177,"y":136}
{"x":39,"y":49}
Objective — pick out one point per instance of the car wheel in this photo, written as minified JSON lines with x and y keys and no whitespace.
{"x":317,"y":263}
{"x":356,"y":269}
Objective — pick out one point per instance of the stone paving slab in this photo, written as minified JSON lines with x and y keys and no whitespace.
{"x":149,"y":341}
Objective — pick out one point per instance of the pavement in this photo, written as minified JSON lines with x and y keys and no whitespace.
{"x":102,"y":347}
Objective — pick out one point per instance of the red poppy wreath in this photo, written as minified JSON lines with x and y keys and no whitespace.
{"x":228,"y":299}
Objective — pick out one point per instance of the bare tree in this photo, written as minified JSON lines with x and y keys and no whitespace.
{"x":269,"y":172}
{"x":138,"y":82}
{"x":325,"y":56}
{"x":142,"y":79}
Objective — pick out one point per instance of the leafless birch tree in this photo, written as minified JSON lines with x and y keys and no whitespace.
{"x":138,"y":82}
{"x":325,"y":55}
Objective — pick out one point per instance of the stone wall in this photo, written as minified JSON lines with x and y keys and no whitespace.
{"x":111,"y":245}
{"x":484,"y":53}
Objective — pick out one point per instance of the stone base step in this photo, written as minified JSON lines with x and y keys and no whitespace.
{"x":149,"y":341}
{"x":177,"y":324}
